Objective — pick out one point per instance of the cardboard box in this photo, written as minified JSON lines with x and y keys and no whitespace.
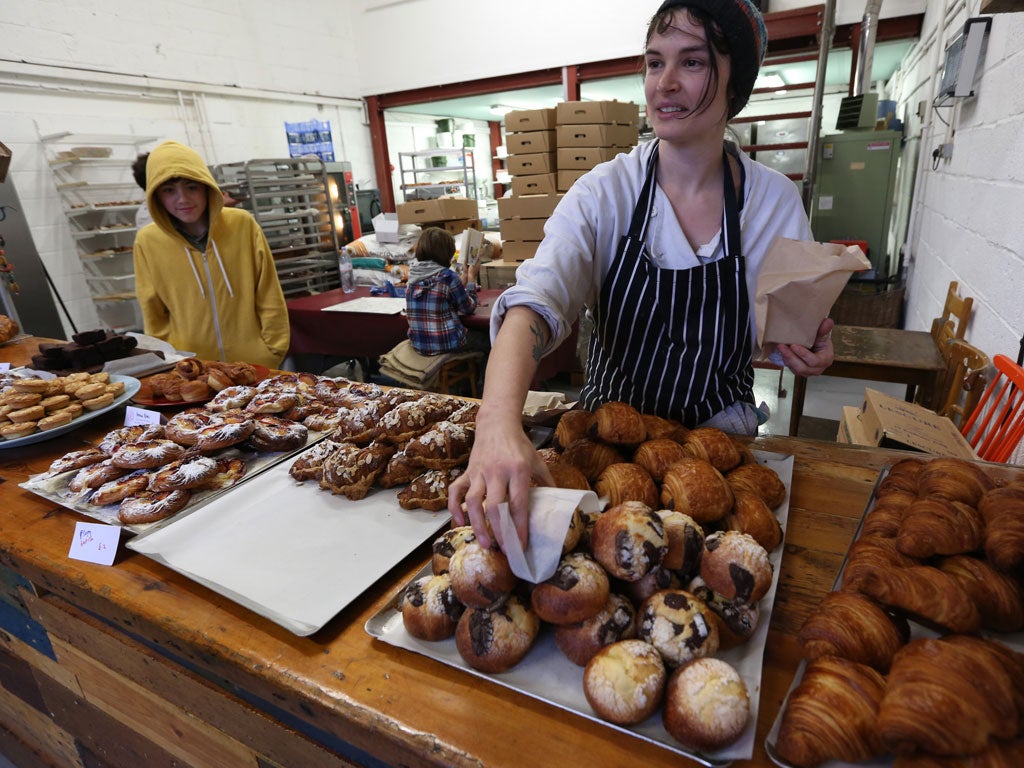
{"x":530,"y":120}
{"x":893,"y":423}
{"x":584,"y":158}
{"x":498,"y":274}
{"x":536,"y":184}
{"x":529,"y":142}
{"x":537,"y":162}
{"x":851,"y":428}
{"x":5,"y":160}
{"x":439,"y":209}
{"x":527,"y":206}
{"x":567,"y":178}
{"x":518,"y":250}
{"x":607,"y":112}
{"x":456,"y":227}
{"x":593,"y":135}
{"x":522,"y":229}
{"x":385,"y":227}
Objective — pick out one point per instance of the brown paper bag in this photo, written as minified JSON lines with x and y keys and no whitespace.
{"x":798,"y":283}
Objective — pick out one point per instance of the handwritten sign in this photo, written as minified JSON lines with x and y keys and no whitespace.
{"x":5,"y":367}
{"x":133,"y":416}
{"x":95,"y":543}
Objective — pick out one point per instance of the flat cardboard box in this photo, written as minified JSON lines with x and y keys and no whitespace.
{"x":593,"y":135}
{"x":851,"y":428}
{"x":893,"y":423}
{"x":439,"y":209}
{"x":522,"y":229}
{"x":529,"y":142}
{"x":518,"y":250}
{"x":608,"y":112}
{"x":385,"y":227}
{"x":527,"y":206}
{"x":498,"y":274}
{"x":535,"y":184}
{"x":567,"y":178}
{"x":536,"y":162}
{"x":530,"y":120}
{"x":584,"y":158}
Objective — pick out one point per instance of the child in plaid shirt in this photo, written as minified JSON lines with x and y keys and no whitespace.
{"x":436,"y":296}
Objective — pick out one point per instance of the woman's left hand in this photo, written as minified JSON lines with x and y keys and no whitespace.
{"x":810,"y":362}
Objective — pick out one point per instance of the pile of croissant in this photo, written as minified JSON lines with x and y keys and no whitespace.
{"x":194,"y":381}
{"x":942,"y":546}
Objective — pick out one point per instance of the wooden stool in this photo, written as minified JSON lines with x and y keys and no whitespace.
{"x":458,"y":370}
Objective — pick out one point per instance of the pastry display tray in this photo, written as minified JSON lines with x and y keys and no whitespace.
{"x":546,"y":674}
{"x":292,"y":553}
{"x":1015,"y":640}
{"x":55,"y":488}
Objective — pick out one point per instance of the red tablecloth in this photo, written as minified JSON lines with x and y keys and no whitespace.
{"x":369,"y":335}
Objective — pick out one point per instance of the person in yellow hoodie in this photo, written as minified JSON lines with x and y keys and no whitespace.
{"x":204,"y":273}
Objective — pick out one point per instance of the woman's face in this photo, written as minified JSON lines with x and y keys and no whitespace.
{"x":684,"y":103}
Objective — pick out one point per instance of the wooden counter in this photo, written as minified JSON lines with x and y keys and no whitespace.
{"x":135,"y":665}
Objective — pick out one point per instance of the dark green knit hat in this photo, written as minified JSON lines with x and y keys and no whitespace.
{"x":743,"y":27}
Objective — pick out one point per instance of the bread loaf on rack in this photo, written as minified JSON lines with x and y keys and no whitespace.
{"x":832,"y":714}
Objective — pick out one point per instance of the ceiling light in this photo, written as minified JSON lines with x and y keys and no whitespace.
{"x":769,"y":80}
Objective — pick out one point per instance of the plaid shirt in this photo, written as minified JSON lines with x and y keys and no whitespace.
{"x":433,"y":306}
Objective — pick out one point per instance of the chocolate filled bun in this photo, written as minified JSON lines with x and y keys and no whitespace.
{"x":497,"y":638}
{"x":629,"y":540}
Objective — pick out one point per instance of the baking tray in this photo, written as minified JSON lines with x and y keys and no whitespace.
{"x":1014,"y":640}
{"x":290,"y":552}
{"x":546,"y":674}
{"x":55,"y":488}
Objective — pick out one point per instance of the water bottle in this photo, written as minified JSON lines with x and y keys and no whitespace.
{"x":348,"y":278}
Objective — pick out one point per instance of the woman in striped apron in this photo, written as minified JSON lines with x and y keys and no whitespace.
{"x":662,"y":245}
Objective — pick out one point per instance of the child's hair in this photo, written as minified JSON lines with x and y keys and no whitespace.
{"x":435,"y":245}
{"x":139,"y":170}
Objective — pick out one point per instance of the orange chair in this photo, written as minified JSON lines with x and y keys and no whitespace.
{"x":997,"y":424}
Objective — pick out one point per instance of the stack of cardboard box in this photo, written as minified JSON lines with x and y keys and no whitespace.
{"x":454,"y":214}
{"x":530,"y":143}
{"x":521,"y":219}
{"x":591,"y":132}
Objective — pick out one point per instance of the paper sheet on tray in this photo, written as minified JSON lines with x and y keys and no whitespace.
{"x":294,"y":554}
{"x":547,"y":675}
{"x":377,"y":305}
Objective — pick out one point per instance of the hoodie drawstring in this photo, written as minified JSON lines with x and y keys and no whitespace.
{"x":188,"y":258}
{"x":220,"y":263}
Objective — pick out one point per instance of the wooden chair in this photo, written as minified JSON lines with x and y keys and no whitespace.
{"x":997,"y":423}
{"x":458,"y":370}
{"x":956,"y":312}
{"x":963,"y":382}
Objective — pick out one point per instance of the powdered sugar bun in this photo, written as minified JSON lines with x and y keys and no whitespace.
{"x":707,"y":705}
{"x":146,"y":454}
{"x":151,"y":506}
{"x":497,"y":638}
{"x":95,"y":475}
{"x":580,"y":641}
{"x":272,"y":433}
{"x":447,"y":543}
{"x":224,"y":430}
{"x":624,"y":681}
{"x":735,"y":566}
{"x":184,"y":427}
{"x":187,"y":472}
{"x":679,"y":625}
{"x":133,"y":434}
{"x":231,"y":397}
{"x":578,"y":590}
{"x":429,"y":608}
{"x":120,"y":489}
{"x":480,"y":575}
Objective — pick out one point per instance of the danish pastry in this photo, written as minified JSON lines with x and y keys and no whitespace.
{"x":620,"y":483}
{"x":696,"y":488}
{"x":619,"y":424}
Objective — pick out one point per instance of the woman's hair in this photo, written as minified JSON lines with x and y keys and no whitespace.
{"x":435,"y":245}
{"x":660,"y":24}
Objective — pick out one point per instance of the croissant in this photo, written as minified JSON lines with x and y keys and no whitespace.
{"x":746,"y":455}
{"x":714,"y":446}
{"x":931,"y":595}
{"x":1013,"y":663}
{"x":626,"y":482}
{"x":400,"y":469}
{"x":885,"y":516}
{"x":760,"y":479}
{"x":572,"y":425}
{"x":936,"y":526}
{"x":869,"y":554}
{"x":947,"y":698}
{"x":697,"y":489}
{"x":953,"y":479}
{"x":854,"y":627}
{"x":999,"y":596}
{"x":902,"y":477}
{"x":657,"y":455}
{"x":751,"y":515}
{"x":351,"y":470}
{"x":428,"y":491}
{"x":567,"y":476}
{"x":658,"y":428}
{"x":443,"y":446}
{"x":1003,"y":511}
{"x":591,"y":457}
{"x":997,"y":754}
{"x":619,"y":424}
{"x":832,"y":714}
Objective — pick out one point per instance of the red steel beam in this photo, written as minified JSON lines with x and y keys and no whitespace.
{"x":381,"y":163}
{"x":494,"y":127}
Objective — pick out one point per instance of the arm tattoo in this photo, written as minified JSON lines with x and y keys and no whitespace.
{"x":539,"y":338}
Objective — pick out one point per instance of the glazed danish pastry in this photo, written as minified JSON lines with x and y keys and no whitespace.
{"x":234,"y":396}
{"x":119,"y":489}
{"x":272,"y":433}
{"x":132,"y":434}
{"x":151,"y":506}
{"x":77,"y":460}
{"x":225,"y":429}
{"x":95,"y":475}
{"x":183,"y":428}
{"x":146,"y":454}
{"x":183,"y":474}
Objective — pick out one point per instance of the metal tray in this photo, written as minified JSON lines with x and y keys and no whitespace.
{"x":1015,"y":640}
{"x":294,"y":554}
{"x":546,"y":674}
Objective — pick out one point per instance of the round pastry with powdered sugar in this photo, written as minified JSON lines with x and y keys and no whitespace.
{"x":480,"y":575}
{"x":629,"y":540}
{"x":706,"y":706}
{"x":187,"y":472}
{"x":429,"y":608}
{"x":580,"y":641}
{"x":146,"y":454}
{"x":624,"y":682}
{"x":679,"y":625}
{"x":152,"y":506}
{"x":578,"y":589}
{"x":735,"y":566}
{"x":496,"y":638}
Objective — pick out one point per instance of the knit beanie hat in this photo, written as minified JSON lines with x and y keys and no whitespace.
{"x":743,"y":27}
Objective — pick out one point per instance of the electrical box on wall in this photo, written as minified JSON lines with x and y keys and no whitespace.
{"x":963,"y":56}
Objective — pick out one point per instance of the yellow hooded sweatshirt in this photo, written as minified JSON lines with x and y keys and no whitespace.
{"x":225,"y":304}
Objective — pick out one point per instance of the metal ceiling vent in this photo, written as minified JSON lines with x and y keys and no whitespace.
{"x":861,"y":109}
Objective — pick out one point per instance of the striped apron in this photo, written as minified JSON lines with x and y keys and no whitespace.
{"x":674,"y":343}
